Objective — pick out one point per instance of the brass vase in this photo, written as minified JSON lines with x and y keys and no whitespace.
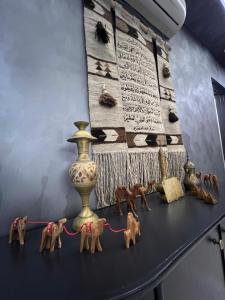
{"x":83,"y":173}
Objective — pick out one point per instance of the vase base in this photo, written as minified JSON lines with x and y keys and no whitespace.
{"x":80,"y":220}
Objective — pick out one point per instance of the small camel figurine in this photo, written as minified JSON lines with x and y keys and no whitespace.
{"x":145,"y":190}
{"x":93,"y":231}
{"x":133,"y":229}
{"x":207,"y":179}
{"x":202,"y":194}
{"x":215,"y":182}
{"x":18,"y":230}
{"x":123,"y":193}
{"x":51,"y":235}
{"x":211,"y":180}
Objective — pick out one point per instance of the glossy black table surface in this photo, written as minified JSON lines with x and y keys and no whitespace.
{"x":168,"y":232}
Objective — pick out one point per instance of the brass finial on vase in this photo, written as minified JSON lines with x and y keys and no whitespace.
{"x":83,"y":173}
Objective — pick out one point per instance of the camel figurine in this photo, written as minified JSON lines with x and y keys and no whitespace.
{"x":18,"y":230}
{"x":145,"y":190}
{"x":207,"y":179}
{"x":202,"y":194}
{"x":215,"y":182}
{"x":93,"y":231}
{"x":133,"y":229}
{"x":211,"y":180}
{"x":210,"y":199}
{"x":129,"y":195}
{"x":51,"y":235}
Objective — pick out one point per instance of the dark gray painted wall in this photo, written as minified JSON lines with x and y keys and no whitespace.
{"x":192,"y":69}
{"x":43,"y":89}
{"x":42,"y":92}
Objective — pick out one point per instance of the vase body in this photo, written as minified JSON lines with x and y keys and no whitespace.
{"x":83,"y":173}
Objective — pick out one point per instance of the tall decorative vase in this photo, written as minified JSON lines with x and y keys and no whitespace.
{"x":83,"y":173}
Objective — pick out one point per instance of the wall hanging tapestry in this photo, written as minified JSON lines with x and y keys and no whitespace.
{"x":129,"y":110}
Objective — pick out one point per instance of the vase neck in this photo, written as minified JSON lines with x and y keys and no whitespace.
{"x":83,"y":149}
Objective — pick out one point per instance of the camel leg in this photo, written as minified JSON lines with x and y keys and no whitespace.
{"x":20,"y":234}
{"x":86,"y":242}
{"x":93,"y":243}
{"x":142,"y":201}
{"x":11,"y":234}
{"x":98,"y":244}
{"x":42,"y":245}
{"x":127,"y":242}
{"x":132,"y":208}
{"x":82,"y":238}
{"x":59,"y":242}
{"x":118,"y":206}
{"x":133,"y":239}
{"x":146,"y":203}
{"x":52,"y":245}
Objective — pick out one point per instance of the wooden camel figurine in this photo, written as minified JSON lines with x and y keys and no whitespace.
{"x":92,"y":231}
{"x":202,"y":194}
{"x":133,"y":229}
{"x":211,"y":180}
{"x":129,"y":195}
{"x":18,"y":230}
{"x":145,"y":190}
{"x":51,"y":235}
{"x":207,"y":179}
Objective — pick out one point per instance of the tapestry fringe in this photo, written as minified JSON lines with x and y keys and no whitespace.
{"x":113,"y":171}
{"x":176,"y":161}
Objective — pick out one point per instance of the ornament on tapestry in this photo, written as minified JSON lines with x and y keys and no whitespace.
{"x":144,"y":28}
{"x":101,"y":33}
{"x":106,"y":99}
{"x":89,"y":4}
{"x":166,"y":71}
{"x":172,"y":115}
{"x":113,"y":4}
{"x":133,"y":32}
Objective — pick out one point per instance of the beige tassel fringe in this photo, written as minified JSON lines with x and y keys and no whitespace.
{"x":128,"y":168}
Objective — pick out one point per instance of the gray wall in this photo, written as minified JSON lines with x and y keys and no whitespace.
{"x":192,"y":69}
{"x":43,"y":90}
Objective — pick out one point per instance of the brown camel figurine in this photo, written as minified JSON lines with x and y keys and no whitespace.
{"x":129,"y":195}
{"x":211,"y":180}
{"x":133,"y":229}
{"x":18,"y":230}
{"x":145,"y":190}
{"x":215,"y":182}
{"x":93,"y":231}
{"x":202,"y":194}
{"x":51,"y":235}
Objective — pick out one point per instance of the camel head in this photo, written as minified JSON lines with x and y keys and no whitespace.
{"x":25,"y":219}
{"x":61,"y":222}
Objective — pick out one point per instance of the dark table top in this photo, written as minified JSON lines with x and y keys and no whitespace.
{"x":167,"y":233}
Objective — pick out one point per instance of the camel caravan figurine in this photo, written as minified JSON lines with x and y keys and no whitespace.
{"x":129,"y":195}
{"x":50,"y":238}
{"x":133,"y":229}
{"x":17,"y":230}
{"x":92,"y":231}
